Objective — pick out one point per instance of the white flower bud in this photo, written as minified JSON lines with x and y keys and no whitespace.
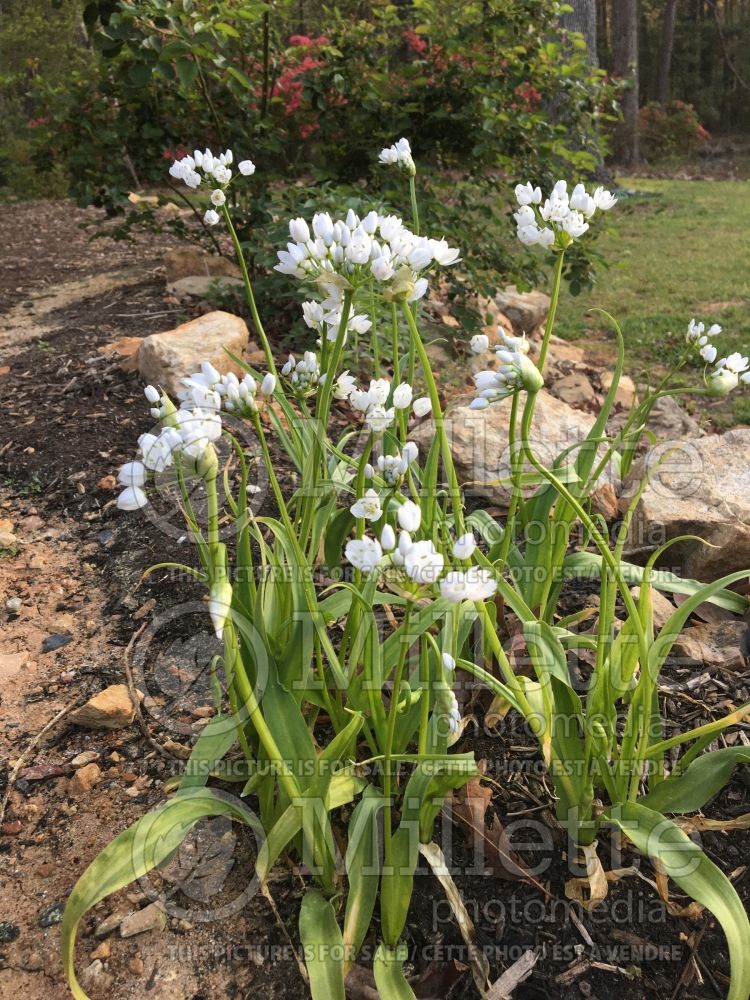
{"x":388,"y":538}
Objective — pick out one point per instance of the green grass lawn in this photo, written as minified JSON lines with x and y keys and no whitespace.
{"x":676,"y":249}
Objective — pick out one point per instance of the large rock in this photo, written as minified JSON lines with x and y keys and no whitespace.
{"x":189,"y":262}
{"x":525,"y":310}
{"x":667,"y":420}
{"x":202,"y":286}
{"x":714,"y":645}
{"x":166,"y":358}
{"x":576,"y":390}
{"x":701,"y":487}
{"x":479,"y":440}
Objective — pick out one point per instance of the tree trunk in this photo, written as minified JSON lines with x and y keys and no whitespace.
{"x":582,"y":18}
{"x":665,"y":56}
{"x":625,"y":65}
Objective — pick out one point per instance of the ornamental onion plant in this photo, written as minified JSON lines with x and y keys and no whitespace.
{"x":345,"y":609}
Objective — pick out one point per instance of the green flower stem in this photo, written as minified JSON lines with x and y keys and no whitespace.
{"x":414,"y":206}
{"x":308,"y":585}
{"x":424,"y":684}
{"x":323,"y":406}
{"x":502,"y":658}
{"x":591,"y":527}
{"x":642,"y":697}
{"x":388,"y":747}
{"x":374,"y":341}
{"x":287,"y":779}
{"x":437,"y":416}
{"x":515,"y":686}
{"x":325,"y":395}
{"x":360,"y":482}
{"x":212,"y":497}
{"x":255,"y":714}
{"x":394,"y":344}
{"x":355,"y":613}
{"x":249,"y":290}
{"x":641,"y":704}
{"x":516,"y":459}
{"x":552,"y":310}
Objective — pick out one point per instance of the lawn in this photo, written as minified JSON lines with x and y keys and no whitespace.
{"x":676,"y":249}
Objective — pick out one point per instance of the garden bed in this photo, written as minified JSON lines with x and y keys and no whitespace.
{"x":71,"y":416}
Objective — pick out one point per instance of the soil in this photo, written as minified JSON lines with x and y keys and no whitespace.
{"x":71,"y":416}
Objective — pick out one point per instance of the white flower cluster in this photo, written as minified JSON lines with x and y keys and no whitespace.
{"x":351,"y":251}
{"x":372,"y":402}
{"x":420,"y":560}
{"x":453,"y":715}
{"x":187,"y":432}
{"x":303,"y":375}
{"x":392,"y":468}
{"x":562,"y":218}
{"x":192,"y":170}
{"x":399,"y":155}
{"x":516,"y":372}
{"x":325,"y":317}
{"x":729,"y":371}
{"x":209,"y":389}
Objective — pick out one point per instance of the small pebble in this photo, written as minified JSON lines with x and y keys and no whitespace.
{"x":33,"y":961}
{"x":150,"y":918}
{"x":110,"y":923}
{"x":136,"y":966}
{"x":102,"y":951}
{"x":57,"y":641}
{"x":8,"y":932}
{"x":13,"y":605}
{"x":52,"y":915}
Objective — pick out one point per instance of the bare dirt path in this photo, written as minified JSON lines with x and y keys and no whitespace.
{"x":69,"y":603}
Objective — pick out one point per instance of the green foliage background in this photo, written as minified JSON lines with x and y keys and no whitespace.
{"x":101,"y":96}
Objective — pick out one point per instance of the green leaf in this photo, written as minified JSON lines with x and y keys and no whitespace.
{"x":695,"y":874}
{"x":397,"y":881}
{"x":388,"y":969}
{"x":689,"y":790}
{"x":336,"y":532}
{"x":139,"y":74}
{"x":137,"y":851}
{"x":211,"y":747}
{"x":362,"y":870}
{"x":240,"y":77}
{"x":343,"y":787}
{"x":187,"y":70}
{"x":323,"y":947}
{"x":588,"y":564}
{"x":670,"y":631}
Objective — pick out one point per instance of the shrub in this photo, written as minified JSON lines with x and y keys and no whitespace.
{"x":670,"y":130}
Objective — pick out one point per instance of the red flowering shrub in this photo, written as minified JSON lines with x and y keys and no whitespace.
{"x":670,"y":130}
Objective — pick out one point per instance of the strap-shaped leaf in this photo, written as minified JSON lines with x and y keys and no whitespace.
{"x":137,"y":851}
{"x":671,"y":629}
{"x":689,"y":790}
{"x":658,"y":837}
{"x":388,"y":968}
{"x":588,"y":564}
{"x":343,"y":787}
{"x":323,"y":947}
{"x":362,"y":869}
{"x":210,"y":748}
